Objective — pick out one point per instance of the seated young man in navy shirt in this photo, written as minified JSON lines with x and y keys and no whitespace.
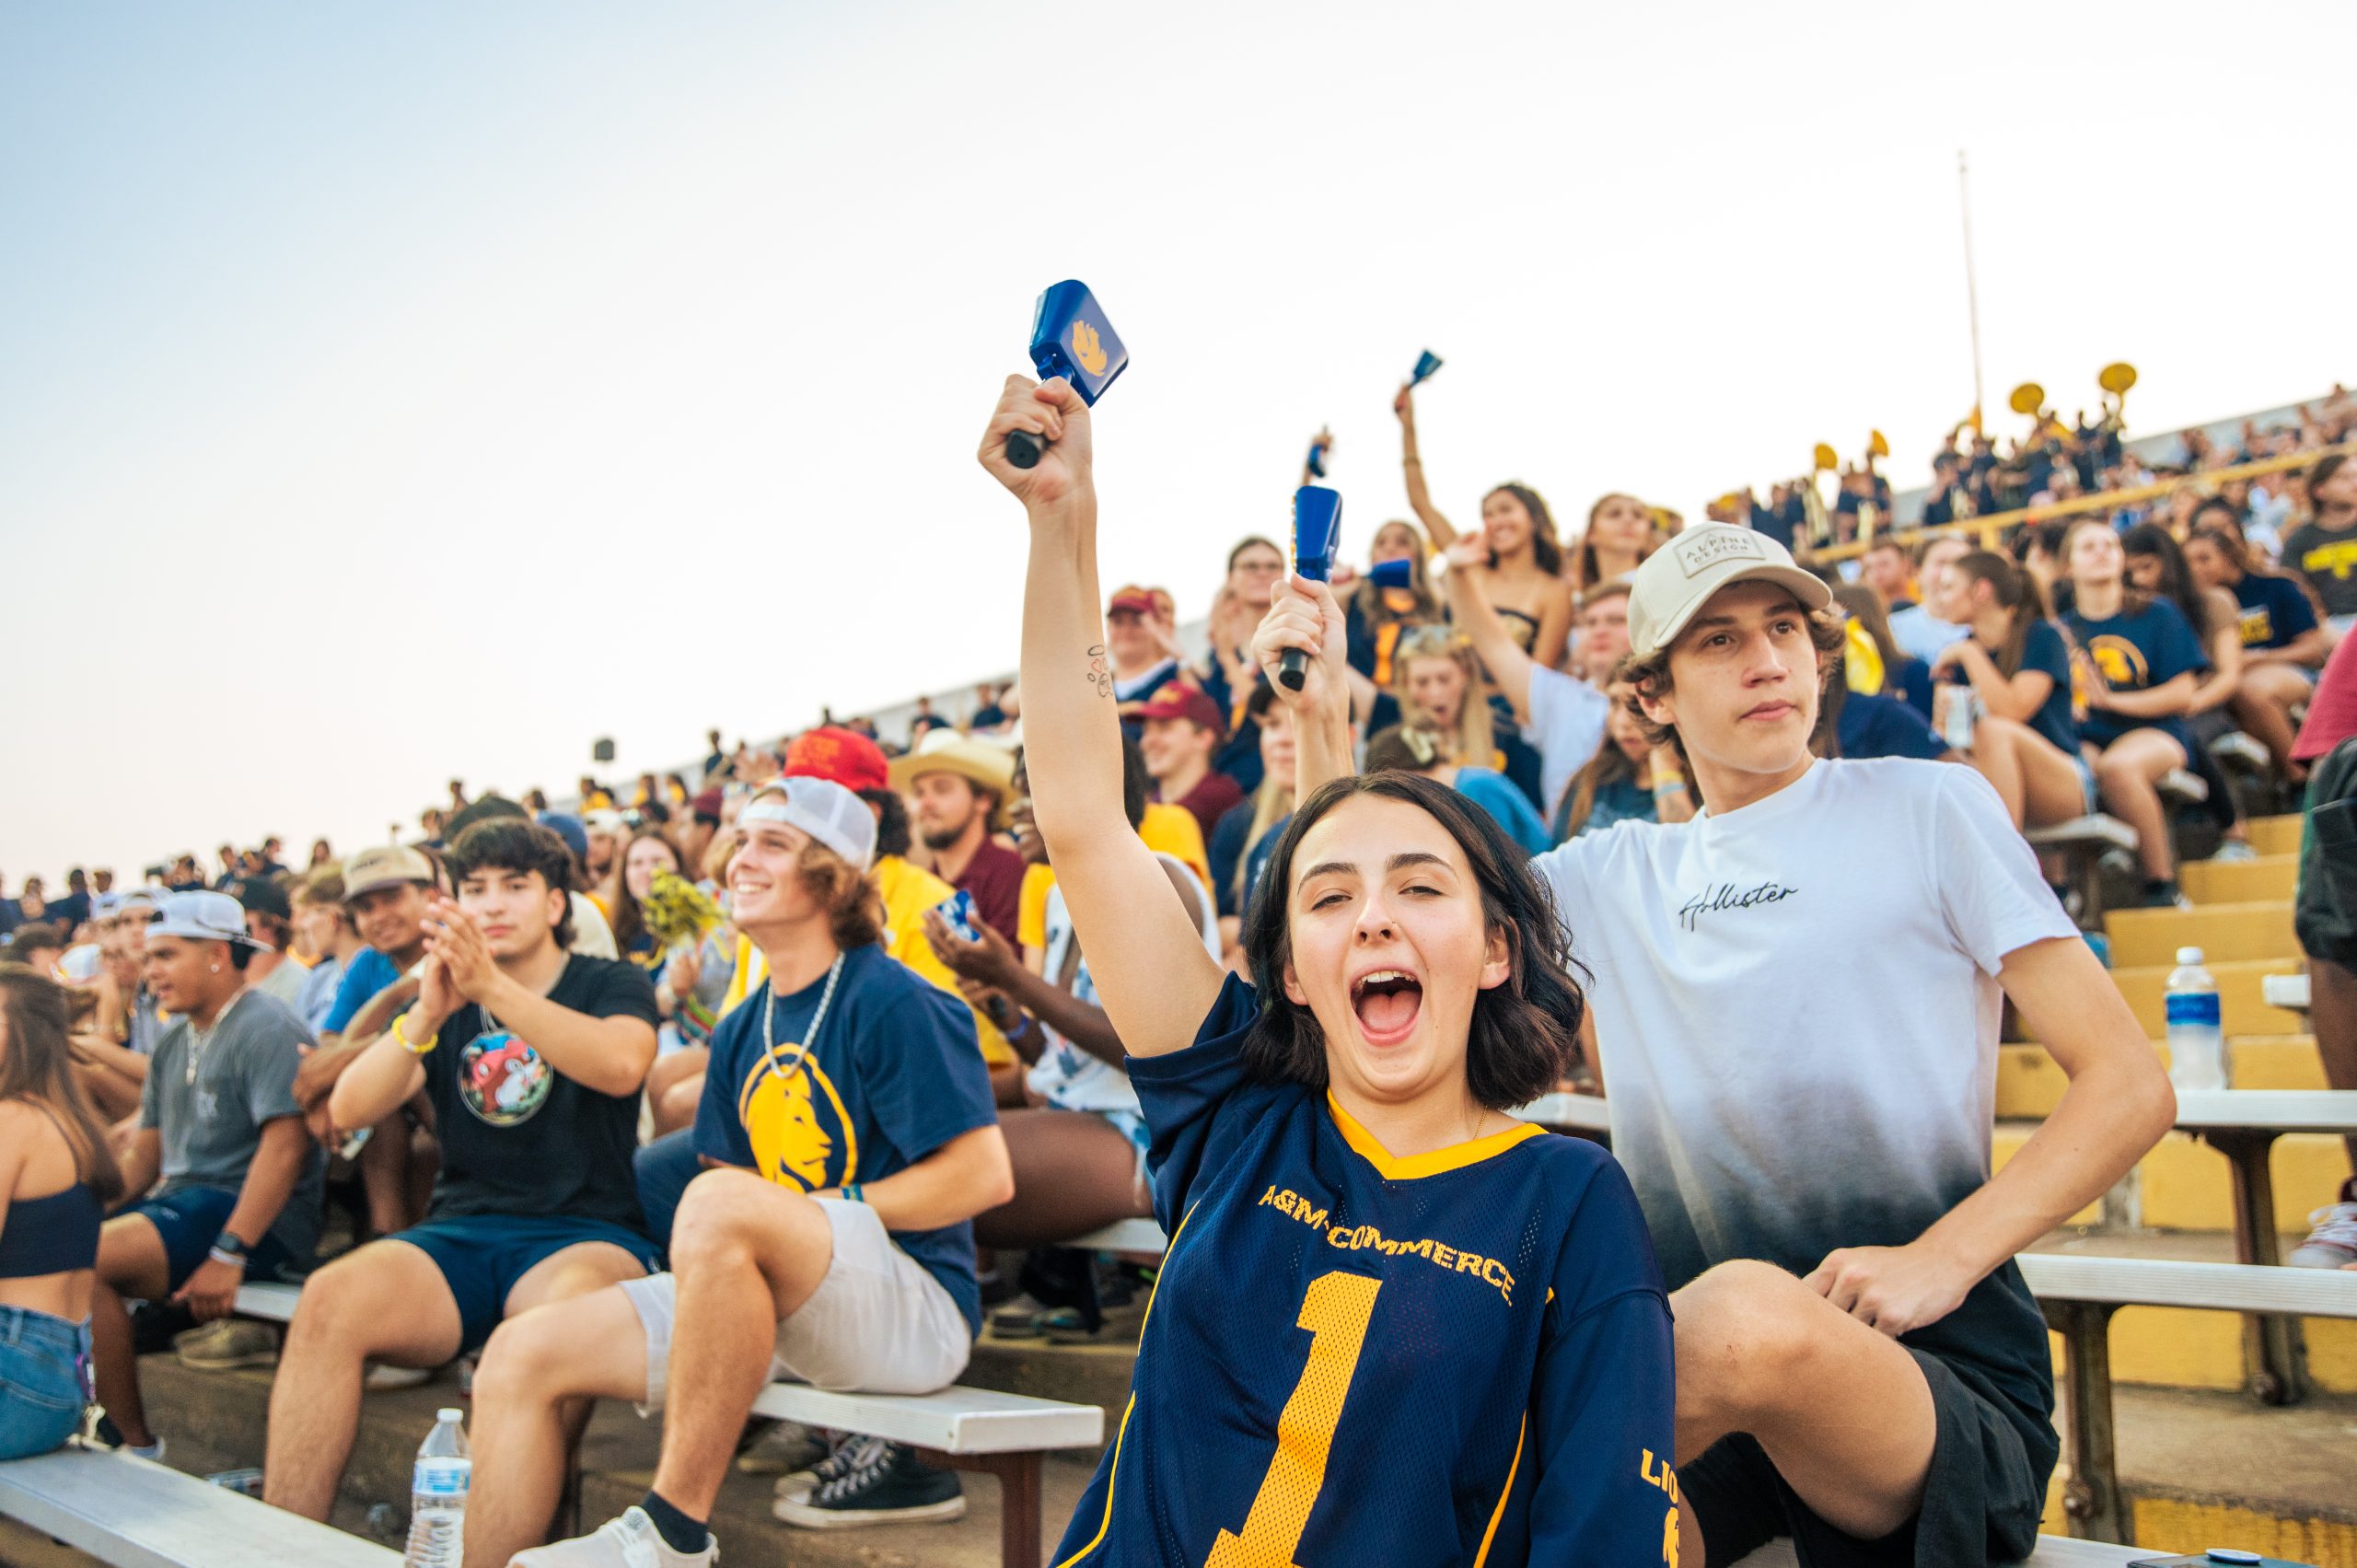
{"x":847,"y":1119}
{"x":532,"y":1057}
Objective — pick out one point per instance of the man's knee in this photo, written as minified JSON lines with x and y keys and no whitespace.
{"x":1746,"y":1332}
{"x":524,"y":1362}
{"x":726,"y":1212}
{"x":338,"y":1306}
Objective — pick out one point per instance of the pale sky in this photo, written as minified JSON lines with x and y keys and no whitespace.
{"x":391,"y":392}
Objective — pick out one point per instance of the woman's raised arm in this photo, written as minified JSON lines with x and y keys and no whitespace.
{"x":1155,"y":978}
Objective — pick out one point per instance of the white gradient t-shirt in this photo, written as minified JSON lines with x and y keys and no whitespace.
{"x":1796,"y":1006}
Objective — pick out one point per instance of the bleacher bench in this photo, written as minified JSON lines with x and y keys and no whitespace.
{"x":2243,"y":1125}
{"x":135,"y":1514}
{"x":2079,"y":1294}
{"x":2081,"y":842}
{"x":2289,"y":991}
{"x":980,"y":1430}
{"x":2182,"y":788}
{"x":2053,"y":1551}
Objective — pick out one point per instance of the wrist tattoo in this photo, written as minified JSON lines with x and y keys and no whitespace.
{"x":1100,"y":674}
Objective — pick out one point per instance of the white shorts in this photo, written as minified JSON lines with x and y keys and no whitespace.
{"x":878,"y":1323}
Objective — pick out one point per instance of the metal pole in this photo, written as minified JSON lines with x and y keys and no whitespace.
{"x":1972,"y":293}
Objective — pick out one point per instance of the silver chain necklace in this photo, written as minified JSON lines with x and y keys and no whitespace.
{"x":198,"y":1038}
{"x":809,"y":1035}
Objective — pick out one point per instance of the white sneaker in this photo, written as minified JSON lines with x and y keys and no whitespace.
{"x":2332,"y":1243}
{"x":2234,"y":852}
{"x":383,"y":1379}
{"x":630,"y":1541}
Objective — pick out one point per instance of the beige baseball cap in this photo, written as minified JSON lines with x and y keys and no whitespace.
{"x":1679,"y":579}
{"x":382,"y":866}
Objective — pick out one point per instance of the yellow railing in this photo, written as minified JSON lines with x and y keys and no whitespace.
{"x":1989,"y":529}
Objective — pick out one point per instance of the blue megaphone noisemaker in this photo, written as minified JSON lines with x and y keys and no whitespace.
{"x":1426,"y":362}
{"x":1071,"y":338}
{"x":1400,"y":574}
{"x":1316,"y":534}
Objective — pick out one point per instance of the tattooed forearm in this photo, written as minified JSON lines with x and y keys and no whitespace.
{"x":1101,"y":673}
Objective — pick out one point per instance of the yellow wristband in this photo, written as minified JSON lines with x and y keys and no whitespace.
{"x":408,"y":1044}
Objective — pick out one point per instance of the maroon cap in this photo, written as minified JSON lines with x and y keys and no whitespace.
{"x":1136,"y":603}
{"x":707,"y":803}
{"x":1180,"y":701}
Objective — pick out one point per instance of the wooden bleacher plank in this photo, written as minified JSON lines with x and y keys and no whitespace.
{"x":1587,"y":1112}
{"x":2289,"y":991}
{"x":1125,"y":1236}
{"x":135,"y":1514}
{"x":2053,"y":1551}
{"x":2272,"y":1111}
{"x":955,"y":1421}
{"x":2165,"y":1281}
{"x":269,"y":1301}
{"x":2095,"y":828}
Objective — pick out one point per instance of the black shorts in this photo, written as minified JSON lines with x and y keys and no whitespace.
{"x":2326,"y":912}
{"x":1982,"y":1498}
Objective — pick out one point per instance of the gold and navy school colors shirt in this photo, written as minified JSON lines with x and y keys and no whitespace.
{"x":894,"y":1073}
{"x":1462,"y":1357}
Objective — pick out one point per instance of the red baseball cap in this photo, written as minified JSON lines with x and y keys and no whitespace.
{"x":1180,"y":701}
{"x":844,"y":756}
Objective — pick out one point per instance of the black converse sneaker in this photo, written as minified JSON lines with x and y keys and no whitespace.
{"x":875,"y":1482}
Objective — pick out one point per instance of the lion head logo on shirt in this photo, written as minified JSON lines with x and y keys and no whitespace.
{"x":797,"y":1127}
{"x":2121,"y":661}
{"x":501,"y":1079}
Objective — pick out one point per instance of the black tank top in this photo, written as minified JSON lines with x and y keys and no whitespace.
{"x":56,"y":1234}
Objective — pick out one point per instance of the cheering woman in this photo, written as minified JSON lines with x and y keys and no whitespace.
{"x":1376,"y":1274}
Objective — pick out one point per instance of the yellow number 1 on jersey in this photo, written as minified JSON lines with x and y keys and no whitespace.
{"x":1336,"y":1312}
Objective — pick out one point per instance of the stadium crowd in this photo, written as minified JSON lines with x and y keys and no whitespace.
{"x":554,"y":1073}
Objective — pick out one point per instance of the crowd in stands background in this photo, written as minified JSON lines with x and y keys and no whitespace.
{"x":201,"y":1052}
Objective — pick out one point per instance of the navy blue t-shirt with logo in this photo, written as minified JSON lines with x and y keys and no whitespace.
{"x":894,"y":1073}
{"x":2136,"y":652}
{"x":2045,"y":651}
{"x":518,"y":1137}
{"x":2275,"y":611}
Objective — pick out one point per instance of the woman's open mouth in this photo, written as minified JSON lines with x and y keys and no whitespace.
{"x":1386,"y":1002}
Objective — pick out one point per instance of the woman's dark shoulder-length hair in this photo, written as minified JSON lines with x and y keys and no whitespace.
{"x":1525,"y":1033}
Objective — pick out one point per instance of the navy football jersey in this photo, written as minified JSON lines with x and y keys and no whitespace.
{"x":1352,"y":1360}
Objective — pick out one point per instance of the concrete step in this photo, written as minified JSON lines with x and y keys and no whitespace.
{"x":2175,"y":1347}
{"x":2224,"y":932}
{"x":2234,"y":882}
{"x":2204,"y":1470}
{"x":2275,"y":835}
{"x":2184,"y":1184}
{"x":2245,"y":1009}
{"x":2029,"y":1085}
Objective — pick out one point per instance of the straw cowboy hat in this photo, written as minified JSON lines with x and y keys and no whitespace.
{"x":979,"y":762}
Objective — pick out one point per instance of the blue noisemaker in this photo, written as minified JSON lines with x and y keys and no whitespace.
{"x":1317,"y":461}
{"x":1316,"y":534}
{"x":1400,"y":574}
{"x":1071,"y":338}
{"x":1426,"y":362}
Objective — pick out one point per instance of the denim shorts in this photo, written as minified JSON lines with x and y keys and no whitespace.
{"x":44,"y":1362}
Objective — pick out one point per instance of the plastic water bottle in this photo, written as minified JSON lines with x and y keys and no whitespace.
{"x":437,"y":1495}
{"x":2197,"y":1040}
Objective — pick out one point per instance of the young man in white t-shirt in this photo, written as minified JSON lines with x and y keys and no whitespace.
{"x":1796,"y":998}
